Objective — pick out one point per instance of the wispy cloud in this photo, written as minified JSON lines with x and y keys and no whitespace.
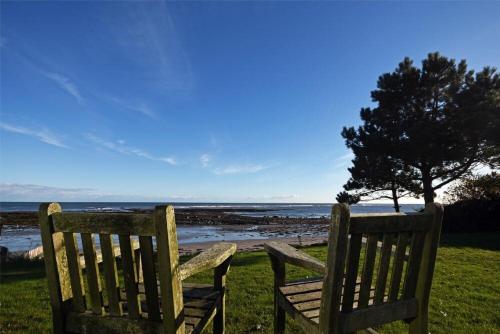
{"x":119,"y":146}
{"x":205,"y":160}
{"x":240,"y":169}
{"x":43,"y":135}
{"x":39,"y":193}
{"x":65,"y":84}
{"x":136,"y":106}
{"x":149,"y":38}
{"x":344,"y":160}
{"x":346,"y":157}
{"x":36,"y":193}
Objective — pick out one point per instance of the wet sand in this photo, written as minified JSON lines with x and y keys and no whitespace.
{"x":254,"y":245}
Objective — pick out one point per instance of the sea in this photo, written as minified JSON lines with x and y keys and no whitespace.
{"x":23,"y":238}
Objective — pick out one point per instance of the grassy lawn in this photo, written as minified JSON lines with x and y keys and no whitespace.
{"x":465,"y":296}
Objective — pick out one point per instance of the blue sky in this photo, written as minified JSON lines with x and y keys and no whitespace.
{"x":212,"y":101}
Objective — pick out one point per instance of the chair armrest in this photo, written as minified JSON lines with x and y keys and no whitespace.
{"x":208,"y":259}
{"x":288,"y":254}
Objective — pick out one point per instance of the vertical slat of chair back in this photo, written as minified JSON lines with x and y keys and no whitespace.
{"x":75,"y":271}
{"x":169,"y":271}
{"x":397,"y":251}
{"x":92,"y":273}
{"x":149,"y":277}
{"x":110,"y":274}
{"x":130,"y":277}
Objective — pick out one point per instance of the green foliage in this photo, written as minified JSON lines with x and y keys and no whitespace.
{"x":375,"y":175}
{"x":482,"y":187}
{"x":431,"y":124}
{"x":345,"y":197}
{"x":464,"y":295}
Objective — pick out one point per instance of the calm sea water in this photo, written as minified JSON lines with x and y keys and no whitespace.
{"x":19,"y":238}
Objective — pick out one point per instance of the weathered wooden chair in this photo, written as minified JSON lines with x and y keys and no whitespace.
{"x":341,"y":301}
{"x":141,"y":304}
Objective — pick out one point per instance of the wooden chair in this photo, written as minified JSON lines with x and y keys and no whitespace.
{"x":141,"y":304}
{"x":343,"y":302}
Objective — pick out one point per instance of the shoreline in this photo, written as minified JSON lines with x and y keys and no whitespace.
{"x":184,"y":216}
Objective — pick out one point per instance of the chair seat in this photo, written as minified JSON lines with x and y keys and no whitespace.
{"x":200,"y":303}
{"x":303,"y":299}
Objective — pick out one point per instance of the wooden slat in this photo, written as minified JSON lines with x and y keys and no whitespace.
{"x":367,"y":274}
{"x":351,"y":272}
{"x":92,"y":273}
{"x":397,"y":268}
{"x":377,"y":315}
{"x":110,"y":275}
{"x":302,"y":287}
{"x":105,"y":223}
{"x":149,"y":277}
{"x":383,"y":269}
{"x":367,"y":224}
{"x":413,"y":267}
{"x":75,"y":271}
{"x":129,"y":276}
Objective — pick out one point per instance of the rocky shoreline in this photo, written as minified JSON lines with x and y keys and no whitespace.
{"x":190,"y":216}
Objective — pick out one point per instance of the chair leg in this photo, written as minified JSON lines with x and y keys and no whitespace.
{"x":219,"y":319}
{"x":420,"y":325}
{"x":220,"y":285}
{"x":279,"y":318}
{"x":279,"y":280}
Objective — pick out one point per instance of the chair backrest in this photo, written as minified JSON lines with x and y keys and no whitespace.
{"x":131,"y":238}
{"x":393,"y":279}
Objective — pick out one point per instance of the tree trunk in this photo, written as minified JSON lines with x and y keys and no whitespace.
{"x":395,"y":197}
{"x":427,"y":186}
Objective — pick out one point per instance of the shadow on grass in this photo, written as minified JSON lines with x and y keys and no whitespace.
{"x":490,"y":241}
{"x":250,"y":258}
{"x":21,"y":270}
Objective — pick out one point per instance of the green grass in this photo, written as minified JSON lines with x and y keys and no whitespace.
{"x":465,"y":296}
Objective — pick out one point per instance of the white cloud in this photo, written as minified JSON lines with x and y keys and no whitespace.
{"x":240,"y":169}
{"x":16,"y":191}
{"x":344,"y":160}
{"x":149,"y":38}
{"x":272,"y":198}
{"x":136,"y":106}
{"x":120,"y":147}
{"x":205,"y":160}
{"x":43,"y":135}
{"x":38,"y":193}
{"x":65,"y":84}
